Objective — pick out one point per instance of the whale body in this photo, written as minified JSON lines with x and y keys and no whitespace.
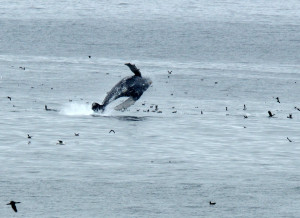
{"x":131,"y":86}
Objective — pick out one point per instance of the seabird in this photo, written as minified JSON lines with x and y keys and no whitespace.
{"x":13,"y":205}
{"x":112,"y":131}
{"x":48,"y":109}
{"x":9,"y":98}
{"x":245,"y":107}
{"x":76,"y":134}
{"x":29,"y":136}
{"x":270,"y":114}
{"x":277,"y":100}
{"x":212,"y":203}
{"x":60,"y":142}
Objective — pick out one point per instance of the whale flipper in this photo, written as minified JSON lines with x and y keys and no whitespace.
{"x":126,"y":104}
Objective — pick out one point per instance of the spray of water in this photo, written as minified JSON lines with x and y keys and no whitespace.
{"x":81,"y":109}
{"x":76,"y":109}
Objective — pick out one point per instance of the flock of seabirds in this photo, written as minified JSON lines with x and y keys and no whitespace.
{"x":132,"y":87}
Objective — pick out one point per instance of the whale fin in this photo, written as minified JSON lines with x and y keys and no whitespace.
{"x":134,"y":69}
{"x":126,"y":104}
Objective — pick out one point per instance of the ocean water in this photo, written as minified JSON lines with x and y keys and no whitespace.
{"x":169,"y":164}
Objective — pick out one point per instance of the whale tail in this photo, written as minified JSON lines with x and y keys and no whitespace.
{"x":134,"y":69}
{"x":97,"y":107}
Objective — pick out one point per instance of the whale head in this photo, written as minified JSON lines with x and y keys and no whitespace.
{"x":97,"y":107}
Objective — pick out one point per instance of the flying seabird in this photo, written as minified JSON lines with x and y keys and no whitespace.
{"x":13,"y":205}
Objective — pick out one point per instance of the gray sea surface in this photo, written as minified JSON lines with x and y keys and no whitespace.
{"x":222,"y":54}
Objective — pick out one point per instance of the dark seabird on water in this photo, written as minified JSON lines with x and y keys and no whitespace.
{"x":48,"y":109}
{"x":13,"y":205}
{"x":270,"y":114}
{"x":60,"y":142}
{"x":212,"y":203}
{"x":29,"y":136}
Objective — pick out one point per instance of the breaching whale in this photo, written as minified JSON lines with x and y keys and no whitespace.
{"x":131,"y":86}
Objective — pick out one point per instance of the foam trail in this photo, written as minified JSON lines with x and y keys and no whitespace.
{"x":76,"y":109}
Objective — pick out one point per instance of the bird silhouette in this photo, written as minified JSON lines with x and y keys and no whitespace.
{"x":270,"y":114}
{"x":212,"y":203}
{"x":60,"y":142}
{"x":13,"y":205}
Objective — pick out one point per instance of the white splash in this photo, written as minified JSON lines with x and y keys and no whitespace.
{"x":76,"y":109}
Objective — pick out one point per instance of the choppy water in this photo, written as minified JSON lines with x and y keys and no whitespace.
{"x":170,"y":164}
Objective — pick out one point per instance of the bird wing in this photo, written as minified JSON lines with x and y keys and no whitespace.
{"x":14,"y":207}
